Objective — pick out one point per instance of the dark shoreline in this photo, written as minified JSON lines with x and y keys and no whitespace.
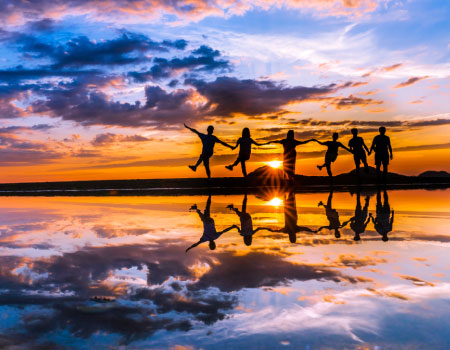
{"x":198,"y":186}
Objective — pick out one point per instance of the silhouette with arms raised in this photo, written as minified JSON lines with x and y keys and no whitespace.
{"x":381,"y":144}
{"x":332,"y":216}
{"x":332,"y":153}
{"x":208,"y":142}
{"x":361,"y":219}
{"x":210,"y":234}
{"x":358,"y":148}
{"x":246,"y":230}
{"x":245,"y":142}
{"x":384,"y":218}
{"x":291,"y":218}
{"x":289,"y":153}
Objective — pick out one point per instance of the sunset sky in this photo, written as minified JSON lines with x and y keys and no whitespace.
{"x":101,"y":89}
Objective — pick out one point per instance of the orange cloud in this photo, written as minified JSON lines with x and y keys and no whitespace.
{"x":410,"y":81}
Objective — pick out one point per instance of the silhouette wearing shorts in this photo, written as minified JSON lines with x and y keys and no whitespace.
{"x":245,"y":142}
{"x":381,"y":144}
{"x":384,"y":217}
{"x":333,"y":217}
{"x":208,"y":142}
{"x":291,"y":219}
{"x":210,"y":234}
{"x":358,"y":148}
{"x":332,"y":153}
{"x":289,"y":153}
{"x":246,"y":230}
{"x":361,"y":219}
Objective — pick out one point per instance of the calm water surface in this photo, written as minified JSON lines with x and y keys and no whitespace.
{"x":275,"y":271}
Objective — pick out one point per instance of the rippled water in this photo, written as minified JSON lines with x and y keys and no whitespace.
{"x":322,"y":271}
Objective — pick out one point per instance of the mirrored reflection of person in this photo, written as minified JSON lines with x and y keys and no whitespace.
{"x":246,"y":230}
{"x":384,"y":219}
{"x":359,"y":148}
{"x":381,"y":145}
{"x":361,"y":219}
{"x":332,"y":153}
{"x":208,"y":142}
{"x":289,"y":153}
{"x":333,"y":217}
{"x":210,"y":234}
{"x":291,"y":226}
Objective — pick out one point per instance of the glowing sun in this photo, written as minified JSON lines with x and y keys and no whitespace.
{"x":275,"y":164}
{"x":275,"y":202}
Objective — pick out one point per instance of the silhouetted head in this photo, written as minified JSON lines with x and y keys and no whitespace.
{"x":335,"y":136}
{"x":246,"y":132}
{"x":248,"y":240}
{"x":210,"y":129}
{"x":355,"y":132}
{"x":385,"y":238}
{"x":292,"y":237}
{"x":382,"y":130}
{"x":337,"y":234}
{"x":212,"y":245}
{"x":290,"y":134}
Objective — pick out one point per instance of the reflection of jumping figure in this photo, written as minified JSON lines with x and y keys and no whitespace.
{"x":246,"y":230}
{"x":359,"y":148}
{"x":361,"y":219}
{"x":209,"y":227}
{"x":381,"y":144}
{"x":291,"y":219}
{"x":332,"y":153}
{"x":384,"y":220}
{"x":245,"y":142}
{"x":332,"y":215}
{"x":208,"y":142}
{"x":289,"y":153}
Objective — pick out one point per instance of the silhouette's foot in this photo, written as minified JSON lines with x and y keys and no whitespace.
{"x":231,"y":206}
{"x":319,"y":167}
{"x":192,"y":167}
{"x":229,"y":167}
{"x":320,"y":203}
{"x":194,"y":207}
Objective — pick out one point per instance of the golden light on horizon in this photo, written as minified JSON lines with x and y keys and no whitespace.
{"x":275,"y":164}
{"x":275,"y":202}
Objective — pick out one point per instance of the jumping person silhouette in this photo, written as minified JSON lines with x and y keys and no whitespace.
{"x":209,"y":227}
{"x":208,"y":142}
{"x":245,"y":142}
{"x":332,"y":215}
{"x":289,"y":153}
{"x":385,"y":219}
{"x":359,"y":148}
{"x":246,"y":230}
{"x":361,"y":219}
{"x":291,"y":219}
{"x":332,"y":153}
{"x":381,"y":144}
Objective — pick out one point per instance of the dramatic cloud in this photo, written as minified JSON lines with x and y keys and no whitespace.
{"x":122,"y":10}
{"x":231,"y":96}
{"x":352,"y":101}
{"x":410,"y":81}
{"x":109,"y":138}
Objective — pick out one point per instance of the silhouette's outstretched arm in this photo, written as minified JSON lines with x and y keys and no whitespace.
{"x":297,"y":142}
{"x":345,"y":223}
{"x":193,"y":246}
{"x":365,"y":147}
{"x":192,"y":129}
{"x":275,"y":229}
{"x":224,"y":143}
{"x":274,"y":141}
{"x":372,"y":148}
{"x":367,"y":222}
{"x":258,"y":144}
{"x":262,"y":228}
{"x":321,"y":228}
{"x":238,"y":142}
{"x":345,"y":147}
{"x":319,"y":142}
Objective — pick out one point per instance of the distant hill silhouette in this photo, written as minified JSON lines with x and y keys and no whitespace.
{"x":432,"y":173}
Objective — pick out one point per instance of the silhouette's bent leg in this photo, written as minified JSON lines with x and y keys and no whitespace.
{"x":206,"y":164}
{"x":194,"y":167}
{"x":207,"y":210}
